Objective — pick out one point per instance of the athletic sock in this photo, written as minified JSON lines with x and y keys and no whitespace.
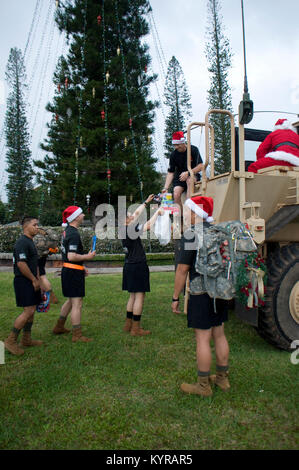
{"x":15,"y":331}
{"x":221,"y":368}
{"x":136,"y":317}
{"x":129,"y":315}
{"x":28,"y":326}
{"x":203,"y":374}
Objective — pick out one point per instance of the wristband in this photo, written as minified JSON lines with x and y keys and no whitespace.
{"x":175,"y":300}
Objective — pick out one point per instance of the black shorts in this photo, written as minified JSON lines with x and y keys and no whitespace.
{"x":183,"y":184}
{"x":136,"y":277}
{"x":73,"y":282}
{"x":41,"y":266}
{"x":26,"y":296}
{"x":201,"y":314}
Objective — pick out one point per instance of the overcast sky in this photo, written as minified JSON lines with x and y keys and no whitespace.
{"x":272,"y":43}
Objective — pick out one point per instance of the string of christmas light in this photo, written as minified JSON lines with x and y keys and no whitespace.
{"x":128,"y":99}
{"x":32,"y":30}
{"x":105,"y":100}
{"x":41,"y":43}
{"x":79,"y":139}
{"x":44,"y":74}
{"x":30,"y":39}
{"x":141,"y":72}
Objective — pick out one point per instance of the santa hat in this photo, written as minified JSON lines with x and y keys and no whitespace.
{"x":202,"y":206}
{"x":70,"y":214}
{"x":178,"y":138}
{"x":283,"y":124}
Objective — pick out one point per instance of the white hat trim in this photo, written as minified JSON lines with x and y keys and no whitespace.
{"x":287,"y":157}
{"x":198,"y":210}
{"x":74,"y":215}
{"x":177,"y":142}
{"x":285,"y":126}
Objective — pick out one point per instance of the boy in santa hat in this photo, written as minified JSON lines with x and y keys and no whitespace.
{"x":281,"y":147}
{"x":178,"y":173}
{"x":201,"y":316}
{"x":73,"y":273}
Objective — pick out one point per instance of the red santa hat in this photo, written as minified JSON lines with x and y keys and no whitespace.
{"x":70,"y":214}
{"x":282,"y":124}
{"x":178,"y":138}
{"x":202,"y":206}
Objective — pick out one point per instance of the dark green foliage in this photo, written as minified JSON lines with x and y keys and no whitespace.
{"x":219,"y":95}
{"x":18,"y":155}
{"x":178,"y":100}
{"x":78,"y":124}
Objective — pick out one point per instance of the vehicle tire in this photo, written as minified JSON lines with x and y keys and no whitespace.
{"x":278,"y":321}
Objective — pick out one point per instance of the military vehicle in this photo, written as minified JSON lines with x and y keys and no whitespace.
{"x":268,"y":201}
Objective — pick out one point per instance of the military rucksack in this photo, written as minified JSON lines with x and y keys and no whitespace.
{"x":229,"y":264}
{"x":46,"y":239}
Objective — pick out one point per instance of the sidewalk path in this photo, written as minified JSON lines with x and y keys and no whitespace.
{"x":56,"y":271}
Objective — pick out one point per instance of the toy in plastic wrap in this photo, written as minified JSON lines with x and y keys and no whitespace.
{"x":44,"y":305}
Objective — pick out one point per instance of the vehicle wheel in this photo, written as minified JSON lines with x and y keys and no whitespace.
{"x":278,"y":321}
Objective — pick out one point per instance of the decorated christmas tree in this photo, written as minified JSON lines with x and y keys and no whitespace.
{"x":99,"y":141}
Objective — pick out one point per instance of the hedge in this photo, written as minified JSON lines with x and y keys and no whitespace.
{"x":9,"y":235}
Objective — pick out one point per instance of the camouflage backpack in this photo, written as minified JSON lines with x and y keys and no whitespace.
{"x":229,"y":265}
{"x":45,"y":240}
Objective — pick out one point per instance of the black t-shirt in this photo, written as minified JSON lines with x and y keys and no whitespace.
{"x":132,"y":244}
{"x":178,"y":161}
{"x":188,"y":248}
{"x":25,"y":251}
{"x":71,"y":243}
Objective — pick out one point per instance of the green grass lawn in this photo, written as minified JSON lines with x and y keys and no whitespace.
{"x":120,"y":392}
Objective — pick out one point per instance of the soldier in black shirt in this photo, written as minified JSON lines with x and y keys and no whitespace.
{"x":178,"y":171}
{"x":26,"y":285}
{"x":136,"y":271}
{"x":73,"y":273}
{"x":201,"y":315}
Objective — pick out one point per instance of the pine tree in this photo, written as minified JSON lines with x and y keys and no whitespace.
{"x":102,"y":117}
{"x":18,"y":155}
{"x":178,"y":100}
{"x":219,"y":95}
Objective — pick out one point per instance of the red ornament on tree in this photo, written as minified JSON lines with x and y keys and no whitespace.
{"x":56,"y":117}
{"x":58,"y":87}
{"x":130,"y":122}
{"x":66,"y":82}
{"x":145,"y":68}
{"x":99,"y":19}
{"x":108,"y":174}
{"x":103,"y":115}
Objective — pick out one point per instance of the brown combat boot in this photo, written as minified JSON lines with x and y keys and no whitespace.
{"x":128,"y":325}
{"x":27,"y":341}
{"x":201,"y":387}
{"x":136,"y":330}
{"x":221,"y":380}
{"x":77,"y":336}
{"x":12,"y":346}
{"x":59,"y":327}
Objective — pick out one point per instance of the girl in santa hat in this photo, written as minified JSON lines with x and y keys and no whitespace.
{"x":136,"y":272}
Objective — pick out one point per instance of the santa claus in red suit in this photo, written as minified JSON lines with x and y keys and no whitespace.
{"x":281,"y":147}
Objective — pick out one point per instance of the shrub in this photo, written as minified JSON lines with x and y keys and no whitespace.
{"x":9,"y":235}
